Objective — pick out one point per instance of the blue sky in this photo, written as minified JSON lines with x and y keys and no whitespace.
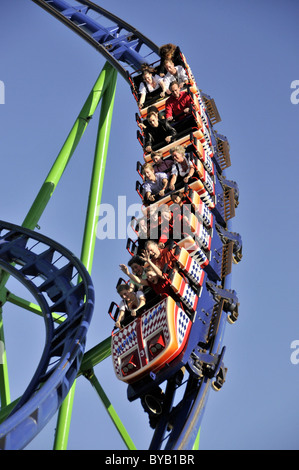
{"x":245,"y":55}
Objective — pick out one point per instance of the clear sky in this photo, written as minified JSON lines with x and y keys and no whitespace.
{"x":245,"y":55}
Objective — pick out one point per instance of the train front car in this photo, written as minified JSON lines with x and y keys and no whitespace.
{"x":177,"y":339}
{"x":151,"y":341}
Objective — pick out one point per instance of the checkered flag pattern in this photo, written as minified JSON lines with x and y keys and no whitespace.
{"x":206,"y":133}
{"x":208,"y":164}
{"x":202,"y":211}
{"x":204,"y":158}
{"x":189,"y":297}
{"x":123,"y":341}
{"x":203,"y":237}
{"x":209,"y":183}
{"x":190,"y":267}
{"x":205,"y":214}
{"x":202,"y":111}
{"x":207,"y":148}
{"x":182,"y":326}
{"x":196,"y":253}
{"x":204,"y":195}
{"x":154,"y":319}
{"x":195,"y":273}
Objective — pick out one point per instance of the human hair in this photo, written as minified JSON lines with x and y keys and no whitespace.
{"x":156,"y":154}
{"x":168,"y":60}
{"x":152,"y":109}
{"x":136,"y":259}
{"x":179,"y":194}
{"x":147,"y":166}
{"x":146,"y":68}
{"x":174,"y":82}
{"x":178,"y":148}
{"x":121,"y":287}
{"x":151,"y":112}
{"x":151,"y":242}
{"x":167,"y":50}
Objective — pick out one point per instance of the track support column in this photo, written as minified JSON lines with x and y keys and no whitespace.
{"x":110,"y":410}
{"x":68,"y":148}
{"x":4,"y":380}
{"x":96,"y":187}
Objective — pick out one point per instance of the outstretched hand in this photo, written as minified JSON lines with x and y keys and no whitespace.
{"x":124,"y":269}
{"x":145,"y":256}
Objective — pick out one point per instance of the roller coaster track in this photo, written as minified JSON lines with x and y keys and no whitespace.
{"x":126,"y":49}
{"x":60,"y":284}
{"x":120,"y":43}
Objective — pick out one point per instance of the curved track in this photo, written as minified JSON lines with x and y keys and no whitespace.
{"x":121,"y":44}
{"x":126,"y":49}
{"x":60,"y":283}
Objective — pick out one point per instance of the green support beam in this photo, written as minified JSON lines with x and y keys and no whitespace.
{"x":104,"y":89}
{"x":4,"y":379}
{"x":196,"y":442}
{"x":95,"y":355}
{"x":111,"y":411}
{"x":31,"y":307}
{"x":68,"y":148}
{"x":46,"y":191}
{"x":88,"y":244}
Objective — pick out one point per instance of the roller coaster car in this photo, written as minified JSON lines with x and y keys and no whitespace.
{"x":154,"y":97}
{"x":190,"y":124}
{"x":193,"y":141}
{"x":207,"y":186}
{"x":160,"y":334}
{"x":151,"y":341}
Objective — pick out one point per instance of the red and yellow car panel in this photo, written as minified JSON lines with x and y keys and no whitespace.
{"x":150,"y":341}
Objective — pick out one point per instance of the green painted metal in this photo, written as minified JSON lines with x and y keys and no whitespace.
{"x":6,"y":410}
{"x":91,"y":358}
{"x":98,"y":172}
{"x":68,"y":148}
{"x":4,"y":378}
{"x":31,"y":307}
{"x":104,"y":89}
{"x":111,"y":411}
{"x":196,"y":442}
{"x":87,"y":252}
{"x":96,"y":355}
{"x":64,"y":421}
{"x":46,"y":191}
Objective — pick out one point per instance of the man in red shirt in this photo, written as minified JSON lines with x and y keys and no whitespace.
{"x":158,"y":256}
{"x":178,"y":107}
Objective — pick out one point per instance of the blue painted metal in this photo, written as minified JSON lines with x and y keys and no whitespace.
{"x":122,"y":45}
{"x":66,"y":288}
{"x":204,"y":354}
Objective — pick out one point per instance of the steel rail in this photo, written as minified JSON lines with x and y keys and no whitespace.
{"x":66,"y":288}
{"x":115,"y":50}
{"x":55,"y":8}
